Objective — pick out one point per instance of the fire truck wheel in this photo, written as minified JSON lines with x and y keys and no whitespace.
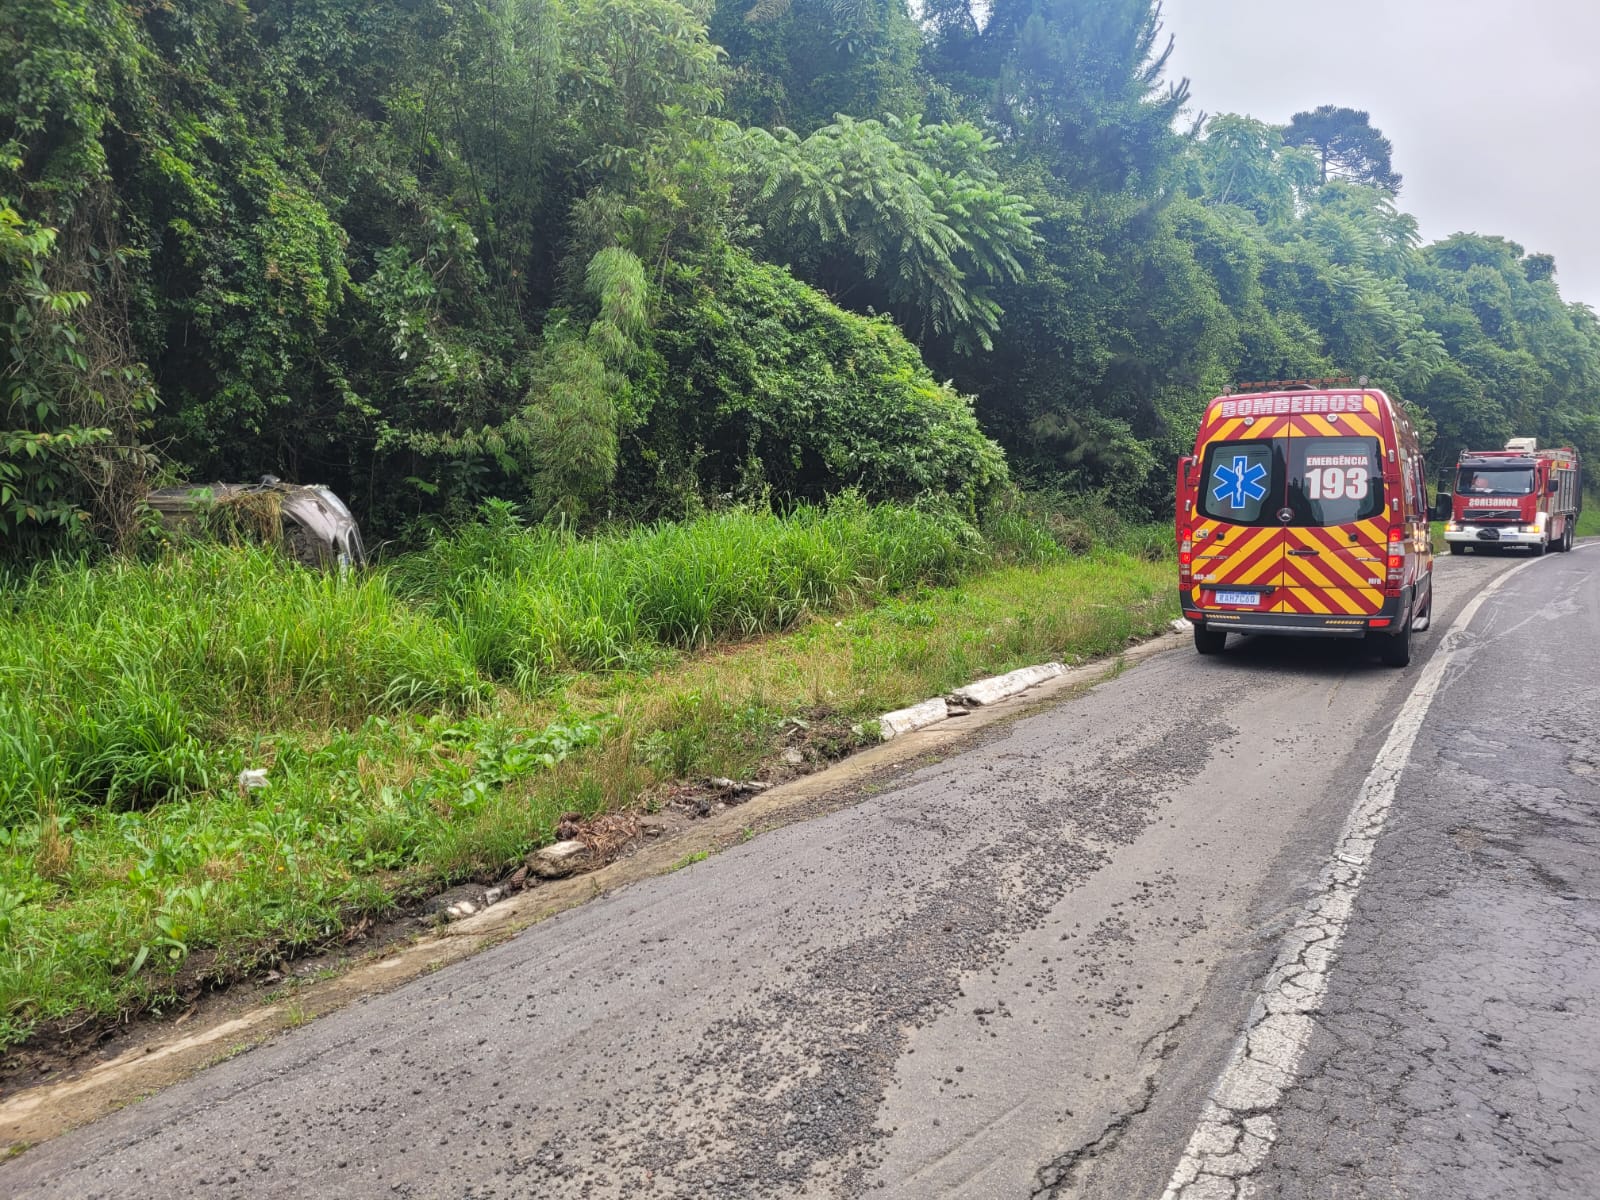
{"x":1539,"y":547}
{"x":1209,"y":641}
{"x":1457,"y":548}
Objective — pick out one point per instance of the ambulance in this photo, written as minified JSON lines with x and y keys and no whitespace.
{"x":1302,"y":512}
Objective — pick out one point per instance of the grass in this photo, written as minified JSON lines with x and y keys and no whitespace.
{"x":1589,"y":518}
{"x":432,"y":722}
{"x":688,"y":860}
{"x":528,"y":605}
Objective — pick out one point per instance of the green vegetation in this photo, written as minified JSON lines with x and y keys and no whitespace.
{"x":527,"y":603}
{"x":624,"y":259}
{"x":1589,"y":518}
{"x":432,"y":721}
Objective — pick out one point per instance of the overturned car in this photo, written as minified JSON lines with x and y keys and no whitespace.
{"x":308,"y":521}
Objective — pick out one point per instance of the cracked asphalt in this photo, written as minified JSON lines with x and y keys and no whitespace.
{"x":1016,"y":972}
{"x":1458,"y":1050}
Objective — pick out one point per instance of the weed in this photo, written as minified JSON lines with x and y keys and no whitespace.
{"x":53,"y":855}
{"x":688,"y":860}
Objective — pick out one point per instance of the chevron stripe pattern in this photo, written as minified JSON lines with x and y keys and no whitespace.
{"x":1337,"y":571}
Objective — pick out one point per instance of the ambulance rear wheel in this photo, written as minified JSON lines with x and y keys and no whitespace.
{"x":1394,"y":650}
{"x":1209,"y":641}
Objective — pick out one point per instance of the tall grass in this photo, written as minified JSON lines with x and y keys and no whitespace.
{"x":131,"y":694}
{"x":116,"y":680}
{"x":531,"y":602}
{"x":1589,"y":519}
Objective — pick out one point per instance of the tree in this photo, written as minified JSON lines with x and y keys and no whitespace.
{"x":1242,"y":161}
{"x":1347,"y":145}
{"x":1079,"y":84}
{"x":895,"y":215}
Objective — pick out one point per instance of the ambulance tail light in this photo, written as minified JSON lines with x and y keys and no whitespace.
{"x":1396,"y":562}
{"x":1185,"y":555}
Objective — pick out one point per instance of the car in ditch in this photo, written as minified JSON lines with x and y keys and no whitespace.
{"x":308,"y":521}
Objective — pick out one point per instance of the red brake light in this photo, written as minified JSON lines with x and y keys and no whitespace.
{"x":1396,"y":562}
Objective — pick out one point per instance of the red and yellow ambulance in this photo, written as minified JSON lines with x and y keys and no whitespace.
{"x":1302,"y":512}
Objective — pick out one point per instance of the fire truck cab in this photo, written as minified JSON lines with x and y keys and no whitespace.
{"x":1519,"y":496}
{"x":1302,"y":512}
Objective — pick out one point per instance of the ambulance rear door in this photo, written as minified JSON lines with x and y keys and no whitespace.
{"x":1335,"y":518}
{"x":1238,"y":541}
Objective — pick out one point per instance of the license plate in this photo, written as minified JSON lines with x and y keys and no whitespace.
{"x":1250,"y":598}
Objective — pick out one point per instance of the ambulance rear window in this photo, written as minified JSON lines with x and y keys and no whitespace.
{"x":1334,"y":480}
{"x":1239,"y":479}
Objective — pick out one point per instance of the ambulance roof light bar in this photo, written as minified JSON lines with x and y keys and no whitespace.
{"x":1296,"y":385}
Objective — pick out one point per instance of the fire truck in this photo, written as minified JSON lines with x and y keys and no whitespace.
{"x":1302,"y":512}
{"x":1519,"y":496}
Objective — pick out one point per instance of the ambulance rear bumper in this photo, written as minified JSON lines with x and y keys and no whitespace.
{"x":1297,"y":624}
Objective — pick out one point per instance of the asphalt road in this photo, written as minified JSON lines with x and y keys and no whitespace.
{"x":1021,"y":972}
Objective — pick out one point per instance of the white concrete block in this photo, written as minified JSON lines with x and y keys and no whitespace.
{"x":918,"y":716}
{"x":562,"y":858}
{"x":998,"y":687}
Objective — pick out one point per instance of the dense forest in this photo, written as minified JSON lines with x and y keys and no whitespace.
{"x":627,"y":258}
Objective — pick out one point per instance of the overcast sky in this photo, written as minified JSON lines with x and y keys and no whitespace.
{"x":1493,"y":106}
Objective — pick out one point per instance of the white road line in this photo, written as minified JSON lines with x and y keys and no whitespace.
{"x":1236,"y":1127}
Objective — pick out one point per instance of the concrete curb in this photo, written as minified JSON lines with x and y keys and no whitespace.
{"x":977,"y":695}
{"x":918,"y":716}
{"x":998,"y":687}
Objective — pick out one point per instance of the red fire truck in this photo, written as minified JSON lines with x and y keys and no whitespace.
{"x":1519,"y":496}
